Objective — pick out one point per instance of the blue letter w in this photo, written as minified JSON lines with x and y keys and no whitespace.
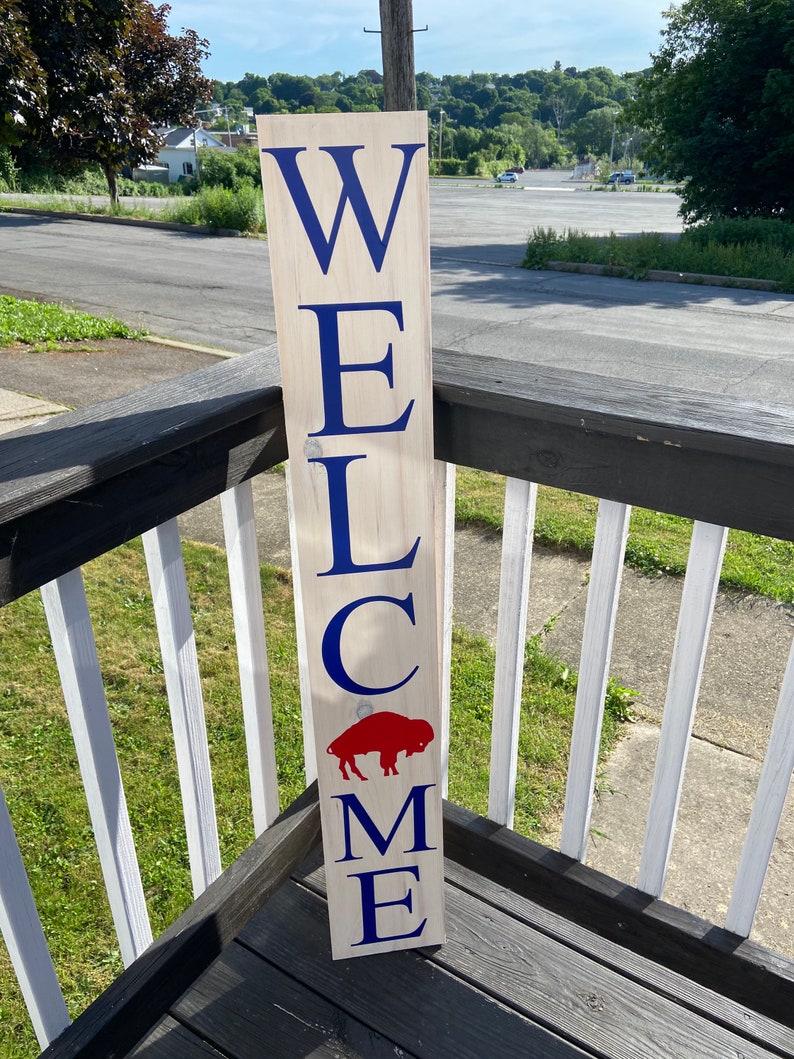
{"x":352,"y":192}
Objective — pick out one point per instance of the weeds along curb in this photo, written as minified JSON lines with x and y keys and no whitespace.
{"x":139,"y":222}
{"x":623,"y":272}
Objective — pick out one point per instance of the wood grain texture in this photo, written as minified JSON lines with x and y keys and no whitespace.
{"x":420,"y":1006}
{"x":90,"y":480}
{"x":170,"y":1039}
{"x":738,"y":969}
{"x":247,"y":1007}
{"x":587,"y":1002}
{"x":699,"y":999}
{"x":134,"y":1003}
{"x":77,"y":449}
{"x":348,"y":234}
{"x":707,"y":457}
{"x":554,"y":968}
{"x":594,"y":993}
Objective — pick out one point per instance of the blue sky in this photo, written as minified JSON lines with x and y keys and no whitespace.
{"x":499,"y":36}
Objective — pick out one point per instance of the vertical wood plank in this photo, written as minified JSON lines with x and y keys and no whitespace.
{"x":445,"y":568}
{"x":612,"y":529}
{"x":767,"y":810}
{"x":309,"y":750}
{"x":24,"y":938}
{"x":237,"y":507}
{"x":511,"y":634}
{"x":75,"y":651}
{"x":689,"y":655}
{"x":347,"y":198}
{"x":178,"y":646}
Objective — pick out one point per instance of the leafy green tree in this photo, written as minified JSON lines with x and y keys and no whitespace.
{"x":110,"y":74}
{"x":22,"y":86}
{"x":231,"y":170}
{"x":593,"y":134}
{"x":718,"y":104}
{"x":541,"y":147}
{"x":561,"y":98}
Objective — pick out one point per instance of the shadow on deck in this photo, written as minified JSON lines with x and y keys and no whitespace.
{"x":544,"y":957}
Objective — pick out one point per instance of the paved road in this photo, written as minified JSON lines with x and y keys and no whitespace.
{"x":218,"y":292}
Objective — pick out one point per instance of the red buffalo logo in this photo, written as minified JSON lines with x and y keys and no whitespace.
{"x":386,"y":733}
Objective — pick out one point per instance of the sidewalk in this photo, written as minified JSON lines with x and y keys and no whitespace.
{"x":750,"y":641}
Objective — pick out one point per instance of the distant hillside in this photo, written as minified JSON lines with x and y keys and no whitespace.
{"x":486,"y":121}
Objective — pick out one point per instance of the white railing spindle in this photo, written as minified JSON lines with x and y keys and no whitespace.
{"x":511,"y":635}
{"x":178,"y":645}
{"x":612,"y":529}
{"x":767,"y":811}
{"x":24,"y":938}
{"x":445,"y":561}
{"x":689,"y":655}
{"x":237,"y":506}
{"x":81,"y":680}
{"x":309,"y":749}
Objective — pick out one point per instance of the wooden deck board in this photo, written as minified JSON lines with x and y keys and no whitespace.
{"x":242,"y":1002}
{"x":640,"y":970}
{"x":169,"y":1039}
{"x":544,"y":958}
{"x":509,"y":976}
{"x":416,"y":1003}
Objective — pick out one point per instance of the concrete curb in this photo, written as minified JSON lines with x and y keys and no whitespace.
{"x":662,"y":276}
{"x":137,"y":222}
{"x":226,"y":354}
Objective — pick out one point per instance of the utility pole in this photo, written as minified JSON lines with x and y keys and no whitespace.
{"x":397,"y":47}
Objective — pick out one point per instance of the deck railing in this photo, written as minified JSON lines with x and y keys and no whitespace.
{"x":88,"y":481}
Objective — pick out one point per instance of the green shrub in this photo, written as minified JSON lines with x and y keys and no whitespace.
{"x":743,"y":231}
{"x":754,"y":248}
{"x":542,"y":247}
{"x":221,"y":207}
{"x":147,"y":188}
{"x":8,"y":171}
{"x":232,"y":171}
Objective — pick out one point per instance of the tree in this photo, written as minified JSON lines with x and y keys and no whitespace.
{"x":561,"y":97}
{"x":21,"y":77}
{"x":111,"y":73}
{"x":718,"y":105}
{"x":595,"y":132}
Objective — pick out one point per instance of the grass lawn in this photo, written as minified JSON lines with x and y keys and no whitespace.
{"x":45,"y":326}
{"x":658,"y":543}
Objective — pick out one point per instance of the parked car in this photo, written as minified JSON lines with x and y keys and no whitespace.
{"x":621,"y":177}
{"x":507,"y":178}
{"x":516,"y":169}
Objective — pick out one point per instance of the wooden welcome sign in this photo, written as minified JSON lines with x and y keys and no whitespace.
{"x":347,"y":214}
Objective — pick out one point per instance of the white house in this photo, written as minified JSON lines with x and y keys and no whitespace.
{"x":179,"y":152}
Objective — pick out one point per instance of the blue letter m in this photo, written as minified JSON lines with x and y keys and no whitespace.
{"x":352,"y":192}
{"x":416,"y":797}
